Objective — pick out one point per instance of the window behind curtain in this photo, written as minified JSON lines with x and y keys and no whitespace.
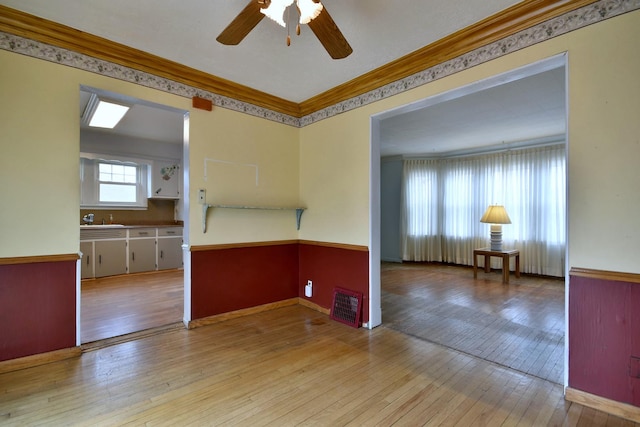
{"x":445,"y":198}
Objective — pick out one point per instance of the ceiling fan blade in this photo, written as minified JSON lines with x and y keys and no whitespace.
{"x":242,"y":24}
{"x":330,"y":35}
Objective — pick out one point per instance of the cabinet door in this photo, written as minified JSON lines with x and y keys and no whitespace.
{"x":86,"y":268}
{"x":110,"y":257}
{"x":165,"y":180}
{"x":142,"y":255}
{"x":169,"y":253}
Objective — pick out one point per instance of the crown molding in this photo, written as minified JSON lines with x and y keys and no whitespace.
{"x":42,"y":30}
{"x":521,"y":16}
{"x":525,"y":24}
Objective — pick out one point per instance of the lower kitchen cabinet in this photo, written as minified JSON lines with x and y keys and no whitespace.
{"x":114,"y":251}
{"x":169,"y":253}
{"x":86,"y":268}
{"x":142,"y":255}
{"x":110,"y":257}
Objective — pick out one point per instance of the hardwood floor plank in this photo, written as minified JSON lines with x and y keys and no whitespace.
{"x":289,"y":366}
{"x":345,"y":407}
{"x":510,"y":401}
{"x":520,"y":325}
{"x":540,"y":409}
{"x":118,"y":305}
{"x":436,"y":401}
{"x":295,"y":366}
{"x":526,"y":392}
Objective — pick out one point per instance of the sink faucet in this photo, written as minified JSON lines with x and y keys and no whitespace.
{"x":88,"y":219}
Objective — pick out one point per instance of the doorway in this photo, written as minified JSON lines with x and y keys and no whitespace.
{"x":382,"y":125}
{"x":133,"y":218}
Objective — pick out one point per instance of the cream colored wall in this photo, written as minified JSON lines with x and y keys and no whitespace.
{"x":335,"y":168}
{"x":604,"y":147}
{"x":604,"y":143}
{"x":38,"y":166}
{"x":334,"y":179}
{"x":39,"y":118}
{"x":326,"y":164}
{"x":243,"y":160}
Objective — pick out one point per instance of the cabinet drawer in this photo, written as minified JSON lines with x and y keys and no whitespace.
{"x":170,"y":231}
{"x":102,"y":233}
{"x":142,"y":232}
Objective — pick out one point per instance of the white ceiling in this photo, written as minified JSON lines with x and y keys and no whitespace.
{"x":144,"y":120}
{"x":527,"y":110}
{"x":379,"y":31}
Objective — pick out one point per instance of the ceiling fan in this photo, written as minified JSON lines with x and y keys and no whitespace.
{"x":311,"y":12}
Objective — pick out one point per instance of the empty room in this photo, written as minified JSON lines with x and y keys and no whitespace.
{"x":274,"y":200}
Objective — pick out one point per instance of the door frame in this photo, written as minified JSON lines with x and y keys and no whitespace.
{"x":375,"y":299}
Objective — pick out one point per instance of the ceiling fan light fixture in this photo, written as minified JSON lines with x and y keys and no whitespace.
{"x":309,"y":10}
{"x":276,"y":9}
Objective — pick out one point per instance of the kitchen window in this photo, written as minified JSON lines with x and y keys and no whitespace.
{"x":112,"y":183}
{"x":117,"y":183}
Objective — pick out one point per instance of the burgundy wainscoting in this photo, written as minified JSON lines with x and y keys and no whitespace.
{"x":37,"y":308}
{"x":604,"y":335}
{"x":229,"y":279}
{"x":330,"y":267}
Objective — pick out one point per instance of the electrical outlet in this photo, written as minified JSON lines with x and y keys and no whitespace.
{"x":308,"y":290}
{"x":202,"y":196}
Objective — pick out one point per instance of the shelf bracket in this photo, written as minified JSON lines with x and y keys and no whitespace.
{"x":299,"y":212}
{"x":205,"y":208}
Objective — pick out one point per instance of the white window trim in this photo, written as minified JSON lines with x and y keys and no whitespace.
{"x":90,"y":184}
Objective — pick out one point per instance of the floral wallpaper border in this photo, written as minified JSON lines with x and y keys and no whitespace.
{"x":579,"y":18}
{"x":563,"y":24}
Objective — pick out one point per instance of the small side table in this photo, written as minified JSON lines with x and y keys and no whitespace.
{"x":505,"y":255}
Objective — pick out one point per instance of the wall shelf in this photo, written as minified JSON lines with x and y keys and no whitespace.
{"x":206,"y":207}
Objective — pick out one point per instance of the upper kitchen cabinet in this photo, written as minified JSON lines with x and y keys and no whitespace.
{"x":164,"y":180}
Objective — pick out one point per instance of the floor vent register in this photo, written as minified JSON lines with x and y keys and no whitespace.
{"x":346,"y":307}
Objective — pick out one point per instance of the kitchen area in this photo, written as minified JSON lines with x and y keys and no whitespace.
{"x":113,"y":249}
{"x":130,"y":217}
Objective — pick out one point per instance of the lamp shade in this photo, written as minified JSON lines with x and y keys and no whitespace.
{"x":496,"y":214}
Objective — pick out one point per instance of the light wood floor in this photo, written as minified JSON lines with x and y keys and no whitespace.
{"x":290,"y":366}
{"x":119,"y":305}
{"x":520,"y":325}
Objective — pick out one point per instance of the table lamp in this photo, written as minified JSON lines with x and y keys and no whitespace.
{"x":496,"y":215}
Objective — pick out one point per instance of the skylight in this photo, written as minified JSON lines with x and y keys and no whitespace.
{"x":107,"y":114}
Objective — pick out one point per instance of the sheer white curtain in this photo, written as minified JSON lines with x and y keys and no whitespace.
{"x":442,"y":221}
{"x":420,"y":228}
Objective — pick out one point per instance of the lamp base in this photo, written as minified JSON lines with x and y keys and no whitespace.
{"x":496,"y":237}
